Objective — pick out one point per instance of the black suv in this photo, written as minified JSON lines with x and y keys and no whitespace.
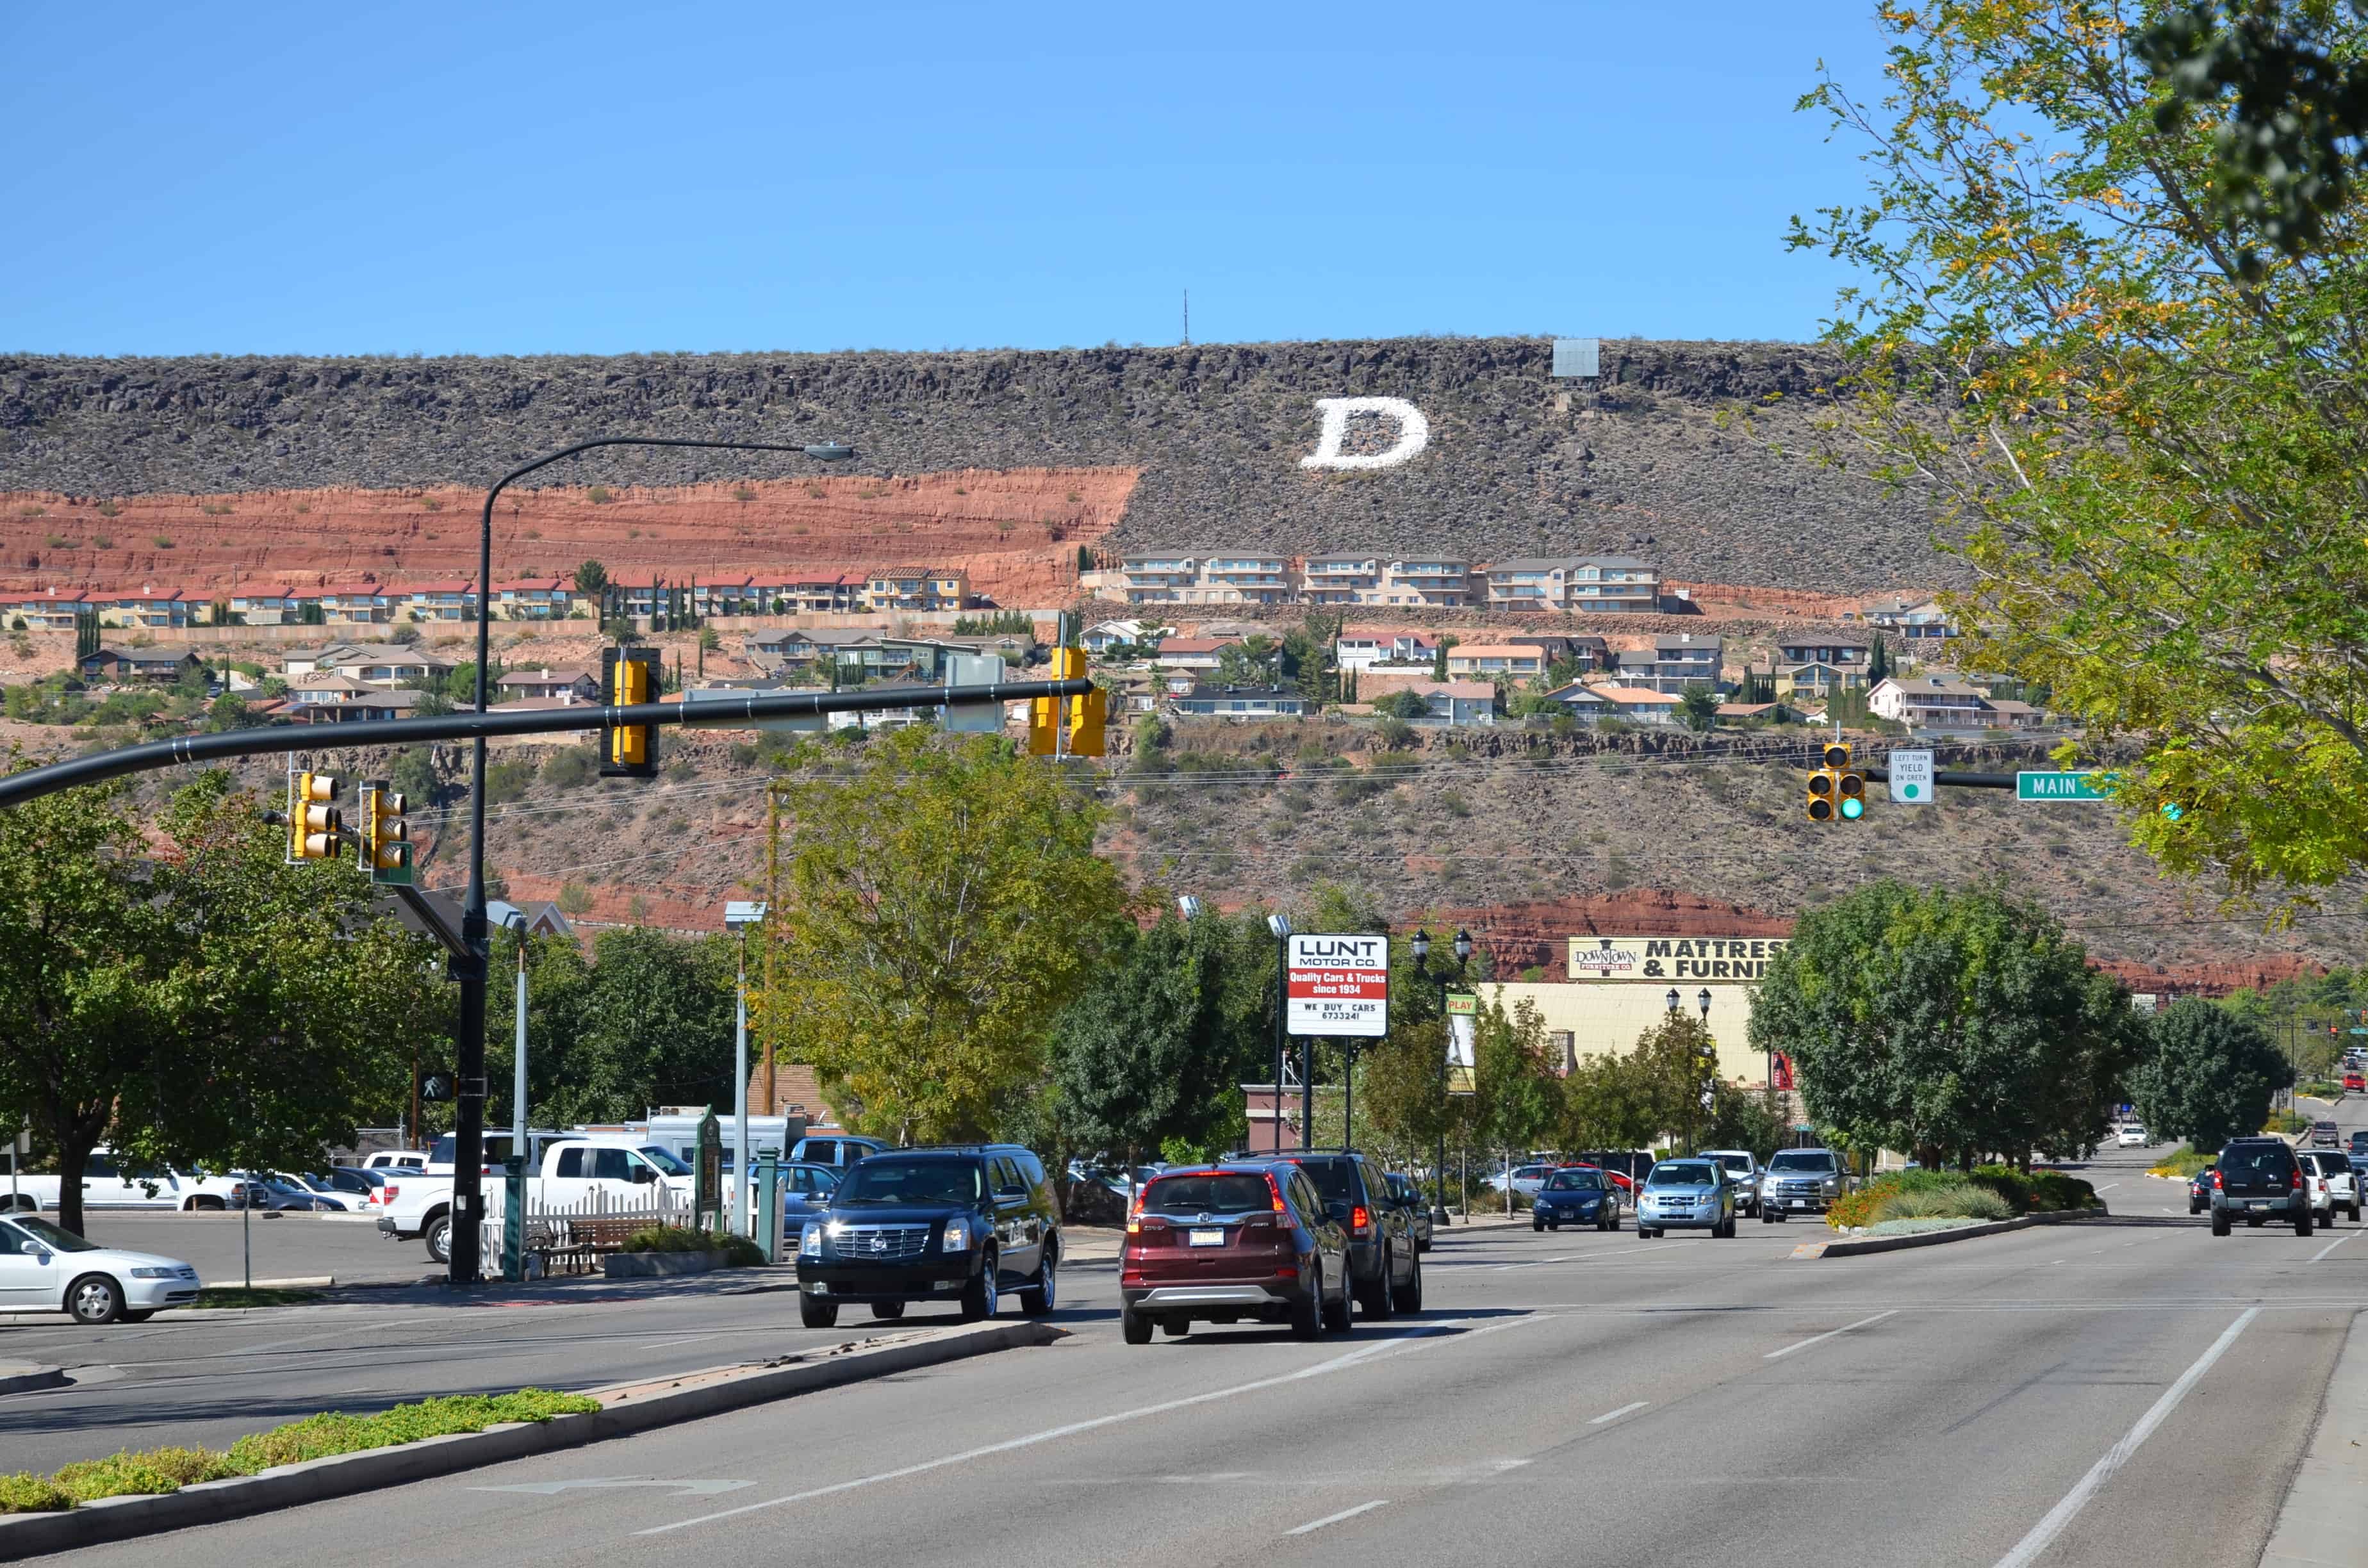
{"x":2260,"y":1178}
{"x":1384,"y":1271}
{"x":962,"y":1223}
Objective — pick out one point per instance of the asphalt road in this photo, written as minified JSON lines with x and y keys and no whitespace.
{"x":2118,"y":1391}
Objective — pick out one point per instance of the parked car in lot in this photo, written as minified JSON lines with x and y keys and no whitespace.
{"x":276,"y":1195}
{"x":1744,"y":1172}
{"x":1409,"y":1198}
{"x":2333,"y":1186}
{"x":1577,"y":1195}
{"x":2261,"y":1179}
{"x":2324,"y":1135}
{"x":326,"y":1193}
{"x":45,"y":1269}
{"x":579,"y":1169}
{"x":1240,"y":1239}
{"x":838,"y":1149}
{"x":1799,"y":1181}
{"x":363,"y":1189}
{"x":113,"y":1181}
{"x":1523,"y":1179}
{"x":2199,"y":1191}
{"x":1385,"y":1272}
{"x":1686,"y":1195}
{"x":395,"y":1160}
{"x":960,"y":1225}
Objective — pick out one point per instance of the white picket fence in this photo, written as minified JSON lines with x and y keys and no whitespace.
{"x":556,"y":1226}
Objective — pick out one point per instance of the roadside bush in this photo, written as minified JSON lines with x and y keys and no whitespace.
{"x":1960,"y":1200}
{"x":743,"y":1252}
{"x":319,"y":1436}
{"x":2019,"y":1194}
{"x":22,"y":1494}
{"x":2184,"y":1164}
{"x":2282,"y":1122}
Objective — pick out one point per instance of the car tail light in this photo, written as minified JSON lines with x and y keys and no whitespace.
{"x":1286,"y":1272}
{"x":2216,"y":1182}
{"x":2296,"y":1181}
{"x":1359,"y":1217}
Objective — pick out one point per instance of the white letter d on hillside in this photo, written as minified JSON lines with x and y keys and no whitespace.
{"x":1413,"y":432}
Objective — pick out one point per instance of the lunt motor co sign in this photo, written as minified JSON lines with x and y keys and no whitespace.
{"x":1673,"y":958}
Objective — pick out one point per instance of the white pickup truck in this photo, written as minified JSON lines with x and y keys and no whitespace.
{"x":110,"y":1182}
{"x":577,"y":1172}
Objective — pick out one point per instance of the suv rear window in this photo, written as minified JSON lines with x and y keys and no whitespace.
{"x":2257,"y":1159}
{"x":1239,"y":1194}
{"x":1818,"y":1160}
{"x":1332,"y":1178}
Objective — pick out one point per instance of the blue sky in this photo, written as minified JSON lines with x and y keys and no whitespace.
{"x":594,"y":177}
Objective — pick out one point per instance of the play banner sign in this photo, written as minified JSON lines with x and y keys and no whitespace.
{"x":1462,"y":1029}
{"x":1339,"y":985}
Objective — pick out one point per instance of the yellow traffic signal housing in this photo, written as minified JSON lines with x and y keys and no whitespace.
{"x":1049,"y":716}
{"x":313,"y":820}
{"x":1824,"y":789}
{"x":1043,"y":724}
{"x":386,"y":838}
{"x":630,"y":676}
{"x":1087,"y":716}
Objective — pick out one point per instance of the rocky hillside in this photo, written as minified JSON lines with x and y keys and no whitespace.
{"x":1515,"y":463}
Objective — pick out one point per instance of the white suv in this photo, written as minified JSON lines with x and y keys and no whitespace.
{"x":2333,"y":1184}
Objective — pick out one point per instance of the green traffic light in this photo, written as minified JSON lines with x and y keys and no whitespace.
{"x":1852,"y":808}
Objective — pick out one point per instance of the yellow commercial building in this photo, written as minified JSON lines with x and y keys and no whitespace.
{"x":1619,"y":986}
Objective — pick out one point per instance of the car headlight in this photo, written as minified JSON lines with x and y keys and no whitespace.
{"x":156,"y":1274}
{"x":957,"y":1236}
{"x":810,"y":1239}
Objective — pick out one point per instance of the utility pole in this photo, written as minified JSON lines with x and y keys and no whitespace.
{"x":1187,"y":318}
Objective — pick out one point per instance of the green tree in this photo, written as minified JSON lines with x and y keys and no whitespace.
{"x":591,"y":582}
{"x":212,"y":1004}
{"x":1698,"y":708}
{"x":1145,"y":1056}
{"x":942,"y":902}
{"x":2136,"y":405}
{"x":1438,"y":659}
{"x":2210,"y":1075}
{"x":1947,"y":1024}
{"x":1516,"y":1093}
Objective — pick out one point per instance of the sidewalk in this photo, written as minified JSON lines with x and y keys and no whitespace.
{"x":2325,"y":1519}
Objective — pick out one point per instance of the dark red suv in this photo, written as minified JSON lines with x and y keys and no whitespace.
{"x":1244,"y":1239}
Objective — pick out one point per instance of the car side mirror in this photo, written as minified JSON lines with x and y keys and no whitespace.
{"x":643,"y":1174}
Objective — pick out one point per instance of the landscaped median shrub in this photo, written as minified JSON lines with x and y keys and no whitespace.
{"x":744,"y":1252}
{"x":2183,"y":1165}
{"x":314,"y":1438}
{"x":1975,"y":1191}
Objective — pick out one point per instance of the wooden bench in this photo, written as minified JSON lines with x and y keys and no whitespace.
{"x":578,"y":1241}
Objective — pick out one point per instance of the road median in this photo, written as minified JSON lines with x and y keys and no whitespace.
{"x":626,"y":1409}
{"x":1860,"y":1246}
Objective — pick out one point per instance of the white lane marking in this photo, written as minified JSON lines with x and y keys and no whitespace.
{"x":2108,"y":1186}
{"x":2043,"y":1534}
{"x":2330,"y":1247}
{"x":1380,"y":1350}
{"x":1820,"y":1339}
{"x":662,"y":1344}
{"x":1314,"y":1525}
{"x":1616,"y":1414}
{"x":1527,"y":1263}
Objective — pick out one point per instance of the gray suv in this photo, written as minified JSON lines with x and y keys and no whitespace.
{"x":1799,"y":1181}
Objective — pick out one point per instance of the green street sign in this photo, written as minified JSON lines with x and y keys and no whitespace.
{"x":2058,"y":786}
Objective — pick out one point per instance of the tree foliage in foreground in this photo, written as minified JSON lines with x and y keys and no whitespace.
{"x":1948,"y":1024}
{"x":2210,"y":1075}
{"x":941,"y":904}
{"x":197,"y":1001}
{"x":2143,"y":417}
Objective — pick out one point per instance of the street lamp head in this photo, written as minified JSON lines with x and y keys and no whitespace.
{"x":1421,"y":945}
{"x":830,"y":451}
{"x":1673,"y":998}
{"x":1278,"y":924}
{"x":1462,"y":946}
{"x":1188,"y":906}
{"x":1704,"y":1000}
{"x":739,"y":914}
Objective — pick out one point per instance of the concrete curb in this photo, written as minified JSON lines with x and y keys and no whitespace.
{"x":2326,"y":1513}
{"x":31,"y":1378}
{"x":654,"y":1264}
{"x":630,"y":1408}
{"x":1939,"y":1238}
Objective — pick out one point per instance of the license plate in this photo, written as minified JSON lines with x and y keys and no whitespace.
{"x":1205,"y":1238}
{"x":1799,"y":1203}
{"x":2258,"y":1203}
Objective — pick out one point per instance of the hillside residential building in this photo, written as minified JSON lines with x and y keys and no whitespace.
{"x":566,"y":686}
{"x":1842,"y":652}
{"x":1922,"y":621}
{"x":818,"y":595}
{"x":534,"y":598}
{"x":1584,"y":703}
{"x":1192,"y":652}
{"x":1639,"y":705}
{"x":1364,"y":648}
{"x":1457,"y":704}
{"x":148,"y":609}
{"x":355,"y":605}
{"x":1104,"y":635}
{"x":267,"y":607}
{"x":1240,"y":702}
{"x":1426,"y":582}
{"x":52,"y":611}
{"x":362,"y":705}
{"x":1496,"y":661}
{"x":1207,"y":576}
{"x":1817,"y":679}
{"x":307,"y":661}
{"x":454,"y":601}
{"x":1939,"y":700}
{"x":918,"y":587}
{"x":1674,"y":663}
{"x":388,"y":665}
{"x":1588,"y":652}
{"x":1573,"y":583}
{"x":161,"y":666}
{"x":1373,"y":577}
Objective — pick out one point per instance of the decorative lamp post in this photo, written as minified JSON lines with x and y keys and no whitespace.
{"x":1447,"y":1033}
